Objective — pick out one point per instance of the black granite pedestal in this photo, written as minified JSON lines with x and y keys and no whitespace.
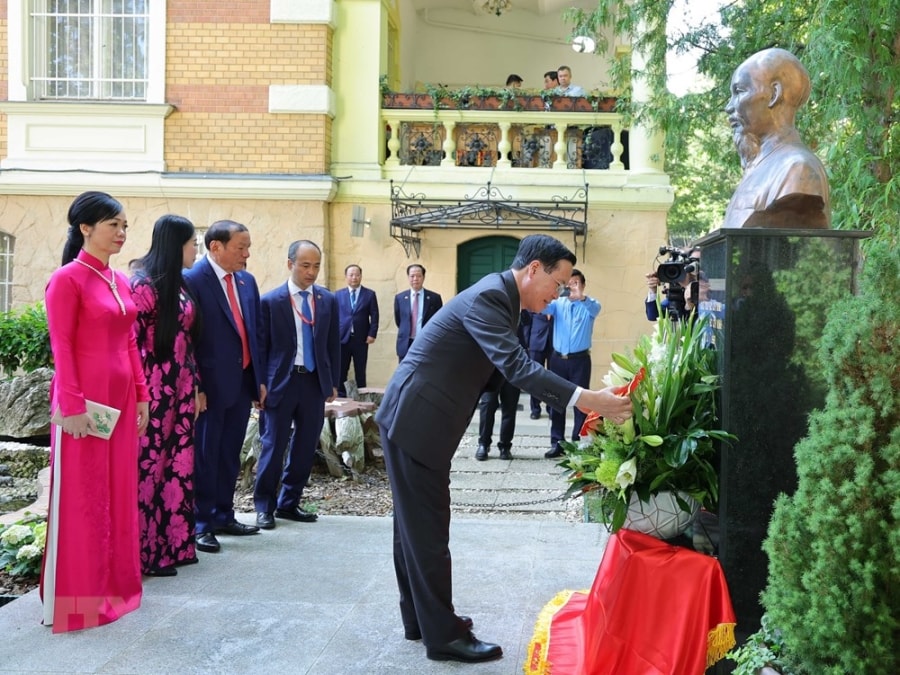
{"x":770,"y":290}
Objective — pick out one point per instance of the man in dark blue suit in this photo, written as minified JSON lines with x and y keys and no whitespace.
{"x":232,"y":368}
{"x":359,"y":325}
{"x":413,"y":308}
{"x":538,"y":334}
{"x":426,"y":408}
{"x":302,"y":347}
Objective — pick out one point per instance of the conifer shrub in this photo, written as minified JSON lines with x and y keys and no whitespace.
{"x":834,"y":545}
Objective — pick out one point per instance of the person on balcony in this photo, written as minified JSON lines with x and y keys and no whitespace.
{"x":514,"y":81}
{"x":566,"y":88}
{"x":551,"y":80}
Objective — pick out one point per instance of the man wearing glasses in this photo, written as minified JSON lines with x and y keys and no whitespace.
{"x":573,"y":315}
{"x":426,"y":409}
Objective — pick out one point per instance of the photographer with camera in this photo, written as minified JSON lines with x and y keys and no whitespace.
{"x":679,"y":280}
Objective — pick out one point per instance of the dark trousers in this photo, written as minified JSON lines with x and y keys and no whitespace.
{"x":578,"y":371}
{"x":507,"y":399}
{"x":542,"y":357}
{"x":219,"y":436}
{"x":303,"y":406}
{"x":422,"y":546}
{"x":356,"y":349}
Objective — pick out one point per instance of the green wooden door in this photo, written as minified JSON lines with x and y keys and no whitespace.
{"x":482,"y":256}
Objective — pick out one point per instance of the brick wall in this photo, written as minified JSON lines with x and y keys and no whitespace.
{"x":221,"y":58}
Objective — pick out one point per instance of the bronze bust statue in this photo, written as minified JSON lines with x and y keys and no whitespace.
{"x":784,"y":183}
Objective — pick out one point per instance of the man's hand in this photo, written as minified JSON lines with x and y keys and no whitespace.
{"x":606,"y":403}
{"x":369,"y":339}
{"x":652,"y":281}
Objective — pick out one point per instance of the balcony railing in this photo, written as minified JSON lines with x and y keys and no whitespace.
{"x":562,"y":133}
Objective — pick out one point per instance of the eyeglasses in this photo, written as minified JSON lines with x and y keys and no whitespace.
{"x":561,"y":289}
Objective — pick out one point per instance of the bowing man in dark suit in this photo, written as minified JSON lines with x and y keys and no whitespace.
{"x":413,"y":308}
{"x":359,"y":325}
{"x":436,"y":387}
{"x":302,"y":346}
{"x":232,"y":368}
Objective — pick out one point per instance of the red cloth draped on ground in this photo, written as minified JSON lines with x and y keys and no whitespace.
{"x":654,"y":609}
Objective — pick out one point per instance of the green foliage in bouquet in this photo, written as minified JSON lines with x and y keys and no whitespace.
{"x":668,"y":444}
{"x":834,"y":545}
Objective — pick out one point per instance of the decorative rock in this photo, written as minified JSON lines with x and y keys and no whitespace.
{"x":25,"y":402}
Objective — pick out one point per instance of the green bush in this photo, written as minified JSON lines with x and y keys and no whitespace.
{"x":24,"y":340}
{"x":834,"y":545}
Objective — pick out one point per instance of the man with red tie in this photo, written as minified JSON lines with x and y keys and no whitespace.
{"x":232,"y":369}
{"x":413,"y":308}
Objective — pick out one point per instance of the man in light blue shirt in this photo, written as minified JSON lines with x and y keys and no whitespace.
{"x":573,"y":324}
{"x":566,"y":88}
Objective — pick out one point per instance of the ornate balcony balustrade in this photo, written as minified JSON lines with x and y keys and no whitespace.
{"x":525,"y":132}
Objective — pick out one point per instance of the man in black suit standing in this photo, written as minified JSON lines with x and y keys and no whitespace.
{"x":436,"y":387}
{"x":358,"y":308}
{"x":413,"y":308}
{"x":232,"y":367}
{"x":539,"y":347}
{"x":303,"y":350}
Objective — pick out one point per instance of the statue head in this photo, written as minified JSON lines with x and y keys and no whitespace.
{"x":766,"y":91}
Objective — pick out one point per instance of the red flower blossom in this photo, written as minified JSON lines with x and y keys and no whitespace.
{"x":594,"y":421}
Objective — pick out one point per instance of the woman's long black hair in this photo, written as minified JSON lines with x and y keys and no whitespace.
{"x":162,"y":269}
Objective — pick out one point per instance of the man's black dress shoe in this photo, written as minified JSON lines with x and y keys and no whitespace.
{"x":535,"y":415}
{"x":505,"y":453}
{"x":468,"y":649}
{"x":416,"y":634}
{"x":207,"y":543}
{"x":166,"y":571}
{"x":237,"y":529}
{"x":481,"y":454}
{"x":265,"y":521}
{"x":555,"y":452}
{"x":297,"y":514}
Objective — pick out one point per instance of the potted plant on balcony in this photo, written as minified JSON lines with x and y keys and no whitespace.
{"x":653,"y":472}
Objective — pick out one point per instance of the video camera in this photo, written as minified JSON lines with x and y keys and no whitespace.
{"x":671,"y":273}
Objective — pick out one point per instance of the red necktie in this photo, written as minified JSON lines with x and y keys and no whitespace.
{"x":238,"y":319}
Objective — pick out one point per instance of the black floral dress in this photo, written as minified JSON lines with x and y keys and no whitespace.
{"x":166,"y":452}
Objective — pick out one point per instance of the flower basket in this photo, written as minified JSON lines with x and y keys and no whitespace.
{"x":668,"y":444}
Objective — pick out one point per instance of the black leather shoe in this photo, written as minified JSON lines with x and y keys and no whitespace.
{"x":536,"y":415}
{"x":554,"y":452}
{"x":237,"y":529}
{"x":416,"y":634}
{"x":481,"y":454}
{"x":296,"y":514}
{"x":167,"y":571}
{"x":265,"y":521}
{"x":505,"y":453}
{"x":468,"y":649}
{"x":207,"y":543}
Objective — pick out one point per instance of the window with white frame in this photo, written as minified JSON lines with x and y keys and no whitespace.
{"x":90,"y":49}
{"x":7,"y":242}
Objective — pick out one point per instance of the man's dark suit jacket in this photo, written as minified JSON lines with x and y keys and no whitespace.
{"x":219,"y":351}
{"x":279,"y":339}
{"x":539,"y":333}
{"x":438,"y":384}
{"x":363,"y":318}
{"x":402,"y":315}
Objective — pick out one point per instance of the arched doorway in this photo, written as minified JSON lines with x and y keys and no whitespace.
{"x":479,"y":257}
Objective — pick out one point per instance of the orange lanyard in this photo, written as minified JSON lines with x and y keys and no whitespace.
{"x":312,"y":309}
